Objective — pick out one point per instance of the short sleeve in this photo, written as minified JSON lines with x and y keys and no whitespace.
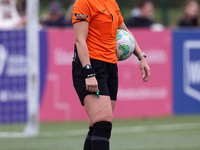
{"x":120,"y":18}
{"x":81,"y":11}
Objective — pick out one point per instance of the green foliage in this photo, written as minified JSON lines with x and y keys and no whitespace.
{"x":157,"y":3}
{"x":167,"y":12}
{"x":44,"y":4}
{"x":65,"y":3}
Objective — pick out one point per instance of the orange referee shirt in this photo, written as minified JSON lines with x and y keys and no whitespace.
{"x":104,"y":17}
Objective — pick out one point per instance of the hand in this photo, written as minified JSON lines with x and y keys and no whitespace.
{"x":91,"y":84}
{"x":144,"y":69}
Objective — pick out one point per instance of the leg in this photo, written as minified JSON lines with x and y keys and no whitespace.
{"x":113,"y":102}
{"x":98,"y":109}
{"x":87,"y":144}
{"x":100,"y":113}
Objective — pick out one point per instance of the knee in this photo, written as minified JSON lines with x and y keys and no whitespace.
{"x":104,"y":117}
{"x":108,"y":117}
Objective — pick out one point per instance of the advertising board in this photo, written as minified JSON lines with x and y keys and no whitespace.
{"x":186,"y":51}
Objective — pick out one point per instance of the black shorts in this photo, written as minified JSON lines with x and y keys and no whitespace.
{"x":106,"y":75}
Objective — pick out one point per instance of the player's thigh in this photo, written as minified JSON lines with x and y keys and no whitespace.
{"x":113,"y":102}
{"x":98,"y":109}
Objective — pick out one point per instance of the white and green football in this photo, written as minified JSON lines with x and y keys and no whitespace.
{"x":125,"y":45}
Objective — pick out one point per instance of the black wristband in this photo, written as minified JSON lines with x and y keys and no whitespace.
{"x":88,"y":71}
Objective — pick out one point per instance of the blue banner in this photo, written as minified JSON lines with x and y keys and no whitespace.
{"x":186,"y":53}
{"x":13,"y":74}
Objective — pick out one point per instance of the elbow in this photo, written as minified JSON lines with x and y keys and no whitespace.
{"x":80,"y":41}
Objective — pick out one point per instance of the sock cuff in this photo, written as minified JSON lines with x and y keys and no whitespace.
{"x":103,"y":125}
{"x":102,"y":129}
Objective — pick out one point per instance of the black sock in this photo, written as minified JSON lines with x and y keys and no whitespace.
{"x":87,"y":144}
{"x":101,"y":135}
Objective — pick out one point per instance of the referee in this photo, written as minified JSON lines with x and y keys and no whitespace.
{"x":94,"y":67}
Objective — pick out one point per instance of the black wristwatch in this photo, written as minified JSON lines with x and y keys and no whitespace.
{"x":88,"y":71}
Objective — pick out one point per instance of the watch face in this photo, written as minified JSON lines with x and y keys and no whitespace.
{"x":87,"y":67}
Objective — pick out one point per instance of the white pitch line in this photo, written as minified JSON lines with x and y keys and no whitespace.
{"x":12,"y":135}
{"x":118,"y":130}
{"x":132,"y":129}
{"x":167,"y":127}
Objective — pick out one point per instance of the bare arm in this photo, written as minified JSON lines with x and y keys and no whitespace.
{"x":145,"y":70}
{"x":81,"y":32}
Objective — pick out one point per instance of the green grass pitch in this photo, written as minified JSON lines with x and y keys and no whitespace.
{"x":166,"y":133}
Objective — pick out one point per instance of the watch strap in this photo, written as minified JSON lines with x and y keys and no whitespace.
{"x":142,"y":55}
{"x":88,"y":71}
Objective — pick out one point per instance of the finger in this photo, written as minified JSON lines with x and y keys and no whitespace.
{"x":94,"y":88}
{"x":144,"y":76}
{"x":147,"y":78}
{"x":90,"y":89}
{"x":144,"y":79}
{"x":143,"y":73}
{"x":87,"y":88}
{"x":147,"y":74}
